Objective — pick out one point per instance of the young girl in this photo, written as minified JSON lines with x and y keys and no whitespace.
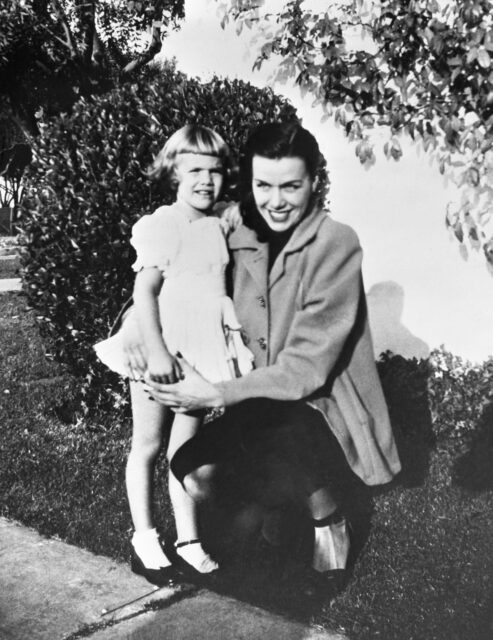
{"x":181,"y":306}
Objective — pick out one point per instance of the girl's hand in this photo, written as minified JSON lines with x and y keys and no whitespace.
{"x":162,"y":368}
{"x":192,"y":393}
{"x":230,"y":218}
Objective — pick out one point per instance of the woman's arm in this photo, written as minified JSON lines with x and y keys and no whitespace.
{"x":160,"y":364}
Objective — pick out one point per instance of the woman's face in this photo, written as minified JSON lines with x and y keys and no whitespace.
{"x":282,"y":189}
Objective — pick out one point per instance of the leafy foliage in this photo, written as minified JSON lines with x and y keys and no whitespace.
{"x":53,"y":52}
{"x":420,"y":67}
{"x":88,"y":186}
{"x":454,"y":392}
{"x":459,"y":392}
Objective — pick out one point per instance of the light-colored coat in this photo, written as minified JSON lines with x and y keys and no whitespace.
{"x":306,"y":324}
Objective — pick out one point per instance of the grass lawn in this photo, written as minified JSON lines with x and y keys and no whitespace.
{"x":59,"y":474}
{"x":424,"y":570}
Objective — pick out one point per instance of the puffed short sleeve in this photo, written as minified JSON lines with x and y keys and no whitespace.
{"x":155,"y":238}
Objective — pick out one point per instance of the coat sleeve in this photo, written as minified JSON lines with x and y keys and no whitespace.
{"x":332,"y":287}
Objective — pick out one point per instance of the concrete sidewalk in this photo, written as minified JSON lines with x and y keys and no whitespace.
{"x":9,"y":253}
{"x":50,"y":590}
{"x":10,"y":284}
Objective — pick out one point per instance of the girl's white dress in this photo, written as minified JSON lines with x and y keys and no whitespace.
{"x":197,"y":317}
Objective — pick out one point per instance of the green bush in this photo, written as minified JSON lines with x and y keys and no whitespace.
{"x":444,"y":391}
{"x":88,"y":187}
{"x":459,"y":393}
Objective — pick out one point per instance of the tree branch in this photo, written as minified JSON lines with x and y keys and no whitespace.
{"x":98,"y":50}
{"x":68,"y":33}
{"x":155,"y":45}
{"x":86,"y":10}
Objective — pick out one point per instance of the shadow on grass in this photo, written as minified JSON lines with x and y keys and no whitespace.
{"x":405,"y":385}
{"x":276,"y":575}
{"x":474,"y":469}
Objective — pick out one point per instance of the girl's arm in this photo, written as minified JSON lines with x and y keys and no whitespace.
{"x":160,"y":364}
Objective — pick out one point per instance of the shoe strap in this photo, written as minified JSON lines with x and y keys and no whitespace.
{"x":185,"y":542}
{"x":333,"y":518}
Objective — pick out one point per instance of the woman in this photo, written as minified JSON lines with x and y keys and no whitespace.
{"x":298,"y":293}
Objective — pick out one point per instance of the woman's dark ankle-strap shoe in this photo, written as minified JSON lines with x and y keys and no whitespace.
{"x":162,"y":577}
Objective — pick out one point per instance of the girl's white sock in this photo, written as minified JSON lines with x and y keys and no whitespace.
{"x":148,"y":548}
{"x":195,"y":555}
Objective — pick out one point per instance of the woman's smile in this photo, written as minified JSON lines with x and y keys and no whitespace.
{"x":282,"y":189}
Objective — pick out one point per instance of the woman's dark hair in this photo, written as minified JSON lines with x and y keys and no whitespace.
{"x":276,"y":140}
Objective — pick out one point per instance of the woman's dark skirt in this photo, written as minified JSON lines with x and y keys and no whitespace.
{"x":269,"y":451}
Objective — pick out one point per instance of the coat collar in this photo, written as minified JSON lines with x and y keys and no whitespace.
{"x":256,"y":261}
{"x":245,"y":238}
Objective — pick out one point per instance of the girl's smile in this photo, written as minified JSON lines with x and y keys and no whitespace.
{"x":200,"y":180}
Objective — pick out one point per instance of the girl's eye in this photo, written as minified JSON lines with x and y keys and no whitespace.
{"x":291,"y":188}
{"x":262,"y":186}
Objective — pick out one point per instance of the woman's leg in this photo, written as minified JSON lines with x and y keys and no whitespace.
{"x":296,"y":456}
{"x":148,"y":421}
{"x":284,"y":453}
{"x":184,"y":505}
{"x":331,"y":544}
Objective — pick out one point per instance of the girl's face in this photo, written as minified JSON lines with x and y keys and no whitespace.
{"x":282,"y":189}
{"x":200,"y":180}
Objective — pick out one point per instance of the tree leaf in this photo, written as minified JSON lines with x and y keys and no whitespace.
{"x":484,"y":58}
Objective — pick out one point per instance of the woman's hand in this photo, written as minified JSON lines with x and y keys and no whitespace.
{"x":230,"y":218}
{"x":191,"y":393}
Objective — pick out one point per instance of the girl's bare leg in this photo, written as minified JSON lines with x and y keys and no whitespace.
{"x":331,"y":547}
{"x":184,"y":506}
{"x":148,"y":421}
